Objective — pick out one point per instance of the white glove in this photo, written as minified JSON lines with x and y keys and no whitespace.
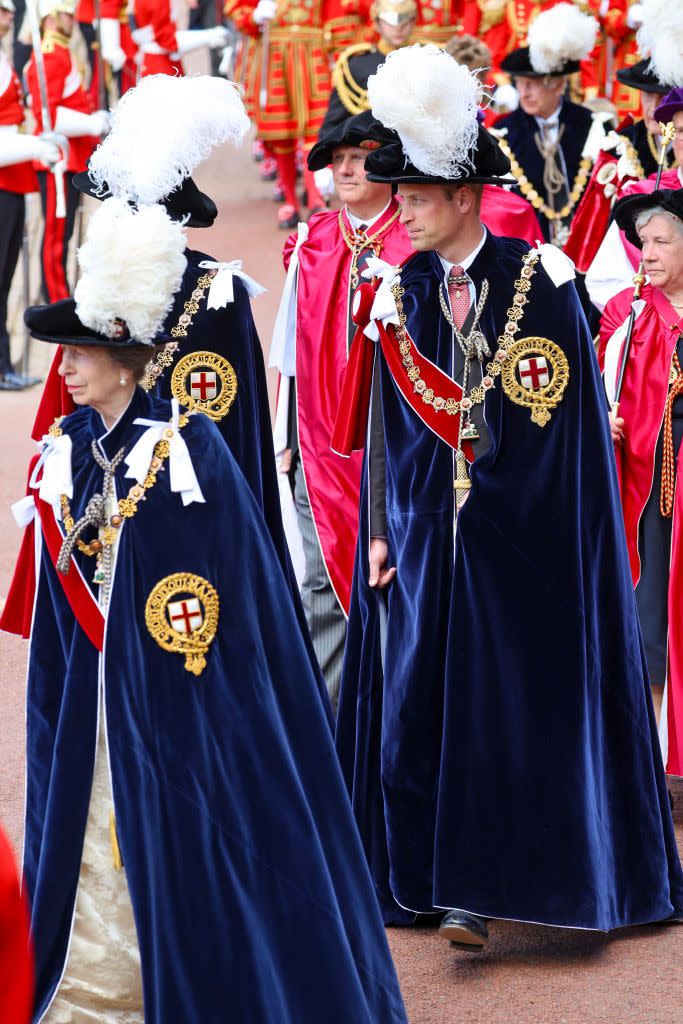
{"x":505,"y":97}
{"x":225,"y":66}
{"x":15,"y":148}
{"x":73,"y":123}
{"x":634,"y":18}
{"x":110,"y":36}
{"x":324,"y":181}
{"x":142,"y":36}
{"x":265,"y":11}
{"x":194,"y":38}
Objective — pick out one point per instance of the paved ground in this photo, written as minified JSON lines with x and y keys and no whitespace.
{"x":528,"y":975}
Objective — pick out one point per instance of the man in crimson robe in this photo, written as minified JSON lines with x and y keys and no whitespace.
{"x":325,"y":264}
{"x":647,"y":431}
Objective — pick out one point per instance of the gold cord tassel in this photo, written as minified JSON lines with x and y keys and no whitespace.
{"x":116,"y":858}
{"x":462,"y":482}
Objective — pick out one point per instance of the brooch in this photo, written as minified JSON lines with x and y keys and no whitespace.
{"x":182,"y":616}
{"x":205,"y":382}
{"x":535,"y":375}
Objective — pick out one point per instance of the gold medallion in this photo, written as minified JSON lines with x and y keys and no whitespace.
{"x":205,"y":382}
{"x":535,"y":375}
{"x":182,"y":616}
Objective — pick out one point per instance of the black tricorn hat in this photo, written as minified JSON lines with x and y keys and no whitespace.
{"x":627,"y":209}
{"x":640,"y":76}
{"x":58,"y":323}
{"x":361,"y":130}
{"x":518,"y":62}
{"x":390,"y":164}
{"x":186,"y":201}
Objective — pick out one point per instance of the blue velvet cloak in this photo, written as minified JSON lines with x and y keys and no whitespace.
{"x":250,"y":891}
{"x":506,"y":761}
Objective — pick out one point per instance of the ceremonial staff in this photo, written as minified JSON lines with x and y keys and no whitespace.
{"x":668,"y":134}
{"x":48,"y":131}
{"x":102,"y":90}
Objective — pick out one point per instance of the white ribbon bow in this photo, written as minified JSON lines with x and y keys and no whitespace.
{"x":222,"y":290}
{"x":183,"y":477}
{"x":283,"y":344}
{"x":55,"y":462}
{"x":556,"y":264}
{"x":384,"y":307}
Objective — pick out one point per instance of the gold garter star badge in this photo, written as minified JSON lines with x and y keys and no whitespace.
{"x":182,"y":616}
{"x":205,"y":382}
{"x":535,"y":375}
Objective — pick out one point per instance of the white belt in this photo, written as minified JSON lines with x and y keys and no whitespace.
{"x":9,"y":129}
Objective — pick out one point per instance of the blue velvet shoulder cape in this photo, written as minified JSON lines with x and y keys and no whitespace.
{"x":504,"y":758}
{"x":250,"y":891}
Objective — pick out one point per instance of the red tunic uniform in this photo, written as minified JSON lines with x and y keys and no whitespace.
{"x":20,"y":178}
{"x":157,"y":59}
{"x":439,"y":20}
{"x":642,"y":404}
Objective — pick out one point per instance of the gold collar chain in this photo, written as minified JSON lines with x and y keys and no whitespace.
{"x":530,"y":193}
{"x":155,"y":368}
{"x":360,"y":241}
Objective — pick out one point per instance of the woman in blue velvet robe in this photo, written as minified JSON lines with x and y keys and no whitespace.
{"x":249,"y":889}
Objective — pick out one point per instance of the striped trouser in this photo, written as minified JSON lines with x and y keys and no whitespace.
{"x":326,"y":620}
{"x":56,"y":234}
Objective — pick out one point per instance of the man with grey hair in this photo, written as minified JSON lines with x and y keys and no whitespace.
{"x":647,"y":429}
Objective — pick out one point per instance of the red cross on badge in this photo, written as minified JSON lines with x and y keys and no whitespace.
{"x":534,"y":373}
{"x":185,"y":616}
{"x":203,"y":386}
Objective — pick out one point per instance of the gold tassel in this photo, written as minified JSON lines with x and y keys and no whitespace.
{"x":116,"y":858}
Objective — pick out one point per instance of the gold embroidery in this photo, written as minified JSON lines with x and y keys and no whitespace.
{"x":155,"y":368}
{"x":193,"y":643}
{"x":530,"y":193}
{"x":493,"y":368}
{"x":547,"y":397}
{"x":212,"y":369}
{"x":353,"y":96}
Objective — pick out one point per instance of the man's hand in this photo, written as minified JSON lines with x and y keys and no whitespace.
{"x":380,"y":576}
{"x":286,"y":461}
{"x":616,"y":425}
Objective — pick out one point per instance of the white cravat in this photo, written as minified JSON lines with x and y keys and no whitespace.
{"x":550,"y":126}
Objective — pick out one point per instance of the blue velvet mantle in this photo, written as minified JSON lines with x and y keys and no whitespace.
{"x":250,"y":891}
{"x":504,"y":759}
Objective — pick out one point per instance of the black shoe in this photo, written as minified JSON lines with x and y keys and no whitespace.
{"x":463,"y":930}
{"x":12,"y":381}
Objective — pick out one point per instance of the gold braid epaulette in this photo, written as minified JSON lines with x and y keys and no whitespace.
{"x":530,"y":193}
{"x":353,"y":96}
{"x":515,"y":313}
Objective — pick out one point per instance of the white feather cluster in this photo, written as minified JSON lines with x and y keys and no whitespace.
{"x":660,"y":38}
{"x":431,"y":101}
{"x":132,"y":263}
{"x":162,"y":129}
{"x":561,"y":34}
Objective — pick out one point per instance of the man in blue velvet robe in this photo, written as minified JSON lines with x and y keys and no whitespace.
{"x":495,"y":725}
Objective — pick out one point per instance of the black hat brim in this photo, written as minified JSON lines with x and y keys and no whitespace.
{"x":490,"y":166}
{"x":518,"y":62}
{"x":352,"y":131}
{"x":627,"y":209}
{"x":187,"y":204}
{"x":640,"y":77}
{"x":58,"y":324}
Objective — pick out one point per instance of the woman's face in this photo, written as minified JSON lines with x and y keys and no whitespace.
{"x":662,"y":239}
{"x":91,"y":376}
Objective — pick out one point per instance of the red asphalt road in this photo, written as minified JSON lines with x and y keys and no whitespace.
{"x":528,"y":974}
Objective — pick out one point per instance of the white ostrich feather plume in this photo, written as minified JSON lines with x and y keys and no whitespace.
{"x":660,"y":38}
{"x":132,"y":263}
{"x":431,"y":101}
{"x":561,"y":34}
{"x":162,"y":129}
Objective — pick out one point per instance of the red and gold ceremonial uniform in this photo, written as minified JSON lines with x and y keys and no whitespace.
{"x":439,"y":20}
{"x":17,"y":178}
{"x":64,"y":89}
{"x":503,"y":25}
{"x":157,"y":59}
{"x":117,"y":10}
{"x":615,"y":50}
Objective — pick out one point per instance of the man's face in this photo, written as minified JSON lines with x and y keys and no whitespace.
{"x":6,"y":19}
{"x":648,"y":102}
{"x":395,"y":35}
{"x":678,"y":141}
{"x":540,"y":97}
{"x":350,"y":179}
{"x":430,"y":217}
{"x":662,"y":239}
{"x":65,"y":23}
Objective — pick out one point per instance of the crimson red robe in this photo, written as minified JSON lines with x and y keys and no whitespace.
{"x":16,"y":966}
{"x":321,"y":356}
{"x":642,"y":400}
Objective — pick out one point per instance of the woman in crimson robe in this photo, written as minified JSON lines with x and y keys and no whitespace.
{"x":647,"y":430}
